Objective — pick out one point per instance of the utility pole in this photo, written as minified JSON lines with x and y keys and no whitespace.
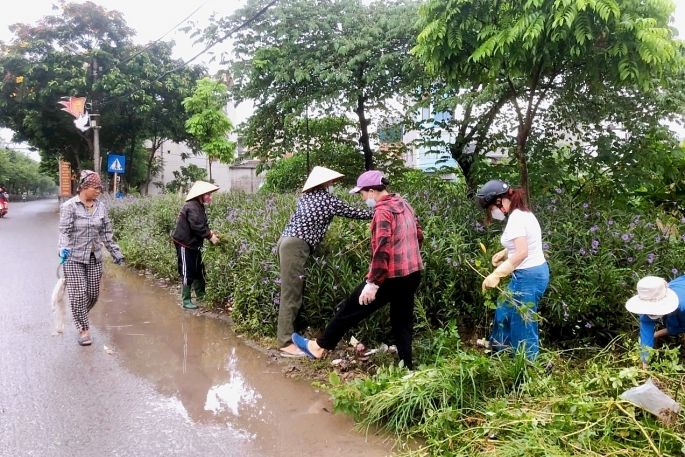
{"x":306,"y":123}
{"x":95,"y":117}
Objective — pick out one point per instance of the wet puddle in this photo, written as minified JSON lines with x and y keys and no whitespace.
{"x":204,"y":373}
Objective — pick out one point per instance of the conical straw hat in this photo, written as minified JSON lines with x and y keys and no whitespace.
{"x":201,"y":188}
{"x":320,"y":175}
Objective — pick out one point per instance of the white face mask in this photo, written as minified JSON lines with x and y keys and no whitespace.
{"x":370,"y":202}
{"x":497,"y":214}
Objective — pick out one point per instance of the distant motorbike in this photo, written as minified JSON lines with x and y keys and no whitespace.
{"x":4,"y":206}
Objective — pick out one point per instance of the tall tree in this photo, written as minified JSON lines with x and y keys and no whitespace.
{"x":538,"y":47}
{"x":140,"y":107}
{"x":45,"y":61}
{"x":333,"y":56}
{"x":19,"y":174}
{"x":461,"y":123}
{"x":208,"y":123}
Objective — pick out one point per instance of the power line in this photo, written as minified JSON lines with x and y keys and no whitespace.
{"x":223,"y":38}
{"x":152,"y":43}
{"x":211,"y":45}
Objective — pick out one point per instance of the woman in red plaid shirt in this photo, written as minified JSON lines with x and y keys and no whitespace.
{"x":393,"y":277}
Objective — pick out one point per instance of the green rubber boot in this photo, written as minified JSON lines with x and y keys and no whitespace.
{"x":199,"y":286}
{"x":186,"y":301}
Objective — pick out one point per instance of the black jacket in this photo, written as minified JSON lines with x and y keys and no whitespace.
{"x":191,"y":225}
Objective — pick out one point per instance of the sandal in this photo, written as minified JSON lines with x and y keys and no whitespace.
{"x":301,"y":342}
{"x":291,"y":355}
{"x":85,"y":340}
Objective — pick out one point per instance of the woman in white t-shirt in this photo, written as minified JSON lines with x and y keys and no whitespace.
{"x":515,"y":323}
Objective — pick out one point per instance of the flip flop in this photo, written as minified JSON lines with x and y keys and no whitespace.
{"x":290,"y":355}
{"x":301,"y":342}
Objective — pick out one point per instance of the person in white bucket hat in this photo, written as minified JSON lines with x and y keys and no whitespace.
{"x":657,"y":300}
{"x":315,"y":210}
{"x":192,"y":229}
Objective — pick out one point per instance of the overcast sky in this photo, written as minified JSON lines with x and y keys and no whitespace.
{"x":149,"y":18}
{"x":153,"y":18}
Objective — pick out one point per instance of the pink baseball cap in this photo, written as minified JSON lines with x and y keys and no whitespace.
{"x":368,"y":179}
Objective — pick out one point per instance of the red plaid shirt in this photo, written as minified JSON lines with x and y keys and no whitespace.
{"x":396,"y":237}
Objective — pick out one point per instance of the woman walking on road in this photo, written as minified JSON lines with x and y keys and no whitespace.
{"x":83,"y":227}
{"x":316,"y":208}
{"x":189,"y":235}
{"x":515,"y":322}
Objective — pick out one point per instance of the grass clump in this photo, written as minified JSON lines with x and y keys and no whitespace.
{"x":566,"y":404}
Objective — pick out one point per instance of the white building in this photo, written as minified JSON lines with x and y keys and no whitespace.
{"x":241,"y":176}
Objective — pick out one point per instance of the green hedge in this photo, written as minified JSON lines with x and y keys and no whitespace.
{"x":596,"y":253}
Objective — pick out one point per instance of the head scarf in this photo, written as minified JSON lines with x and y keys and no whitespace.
{"x":89,"y":179}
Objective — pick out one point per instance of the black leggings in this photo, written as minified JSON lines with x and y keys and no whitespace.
{"x":399,"y":292}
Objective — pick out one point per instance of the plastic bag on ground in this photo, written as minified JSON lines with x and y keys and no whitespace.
{"x":650,"y":398}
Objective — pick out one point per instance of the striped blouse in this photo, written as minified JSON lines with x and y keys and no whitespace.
{"x":84,"y":231}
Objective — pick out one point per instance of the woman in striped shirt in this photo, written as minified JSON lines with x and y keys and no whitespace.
{"x":84,"y":227}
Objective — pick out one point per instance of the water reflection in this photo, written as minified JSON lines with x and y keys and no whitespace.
{"x":231,"y":395}
{"x":203,"y":372}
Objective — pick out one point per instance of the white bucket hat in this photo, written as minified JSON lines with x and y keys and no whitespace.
{"x":201,"y":188}
{"x":320,"y":175}
{"x":653,"y":298}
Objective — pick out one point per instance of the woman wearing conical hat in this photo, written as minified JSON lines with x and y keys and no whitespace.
{"x":192,"y":229}
{"x":315,"y":210}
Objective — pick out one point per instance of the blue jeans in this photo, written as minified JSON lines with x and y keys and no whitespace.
{"x":515,"y":322}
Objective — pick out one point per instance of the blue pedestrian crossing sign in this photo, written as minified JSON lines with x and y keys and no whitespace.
{"x":116,"y":163}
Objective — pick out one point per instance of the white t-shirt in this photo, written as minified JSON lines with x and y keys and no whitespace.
{"x":524,"y":223}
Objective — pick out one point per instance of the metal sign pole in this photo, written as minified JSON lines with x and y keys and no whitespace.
{"x":115,"y":184}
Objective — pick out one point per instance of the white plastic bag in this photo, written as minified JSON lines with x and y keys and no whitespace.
{"x":650,"y":398}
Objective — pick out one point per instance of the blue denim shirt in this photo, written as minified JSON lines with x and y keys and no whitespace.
{"x":674,"y":322}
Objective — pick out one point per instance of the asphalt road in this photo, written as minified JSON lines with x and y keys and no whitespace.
{"x":158,"y":380}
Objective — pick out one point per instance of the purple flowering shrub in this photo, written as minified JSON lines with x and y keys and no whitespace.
{"x":596,"y":253}
{"x":243,"y":269}
{"x":142,"y":227}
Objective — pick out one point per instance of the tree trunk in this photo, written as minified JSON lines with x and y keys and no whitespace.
{"x":209,"y":168}
{"x":479,"y":131}
{"x":465,"y":162}
{"x":129,"y":161}
{"x":521,"y":140}
{"x":526,"y":124}
{"x":364,"y":137}
{"x":525,"y":127}
{"x":89,"y":141}
{"x":156,"y":145}
{"x":145,"y":188}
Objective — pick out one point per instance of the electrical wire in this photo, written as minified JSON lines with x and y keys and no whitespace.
{"x":152,"y":43}
{"x":223,"y":38}
{"x":207,"y":48}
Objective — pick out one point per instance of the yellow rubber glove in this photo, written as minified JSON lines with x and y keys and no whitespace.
{"x":499,"y":257}
{"x":502,"y":271}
